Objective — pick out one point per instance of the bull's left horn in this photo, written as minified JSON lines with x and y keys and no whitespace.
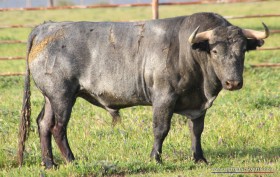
{"x":198,"y":37}
{"x":256,"y":34}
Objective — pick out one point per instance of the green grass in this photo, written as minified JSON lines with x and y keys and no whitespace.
{"x":241,"y":130}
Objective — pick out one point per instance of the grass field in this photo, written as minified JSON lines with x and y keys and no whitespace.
{"x":241,"y":130}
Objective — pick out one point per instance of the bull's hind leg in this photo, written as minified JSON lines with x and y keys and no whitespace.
{"x":45,"y":123}
{"x":62,"y":105}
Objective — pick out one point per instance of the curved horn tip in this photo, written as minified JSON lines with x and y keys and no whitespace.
{"x":197,"y":28}
{"x":266,"y":30}
{"x":192,"y":36}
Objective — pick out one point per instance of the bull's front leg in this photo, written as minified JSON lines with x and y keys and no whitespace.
{"x":162,"y":113}
{"x":196,"y":128}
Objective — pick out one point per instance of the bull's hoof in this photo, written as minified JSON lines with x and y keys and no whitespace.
{"x":49,"y":165}
{"x":198,"y":157}
{"x":156,"y":156}
{"x":201,"y":160}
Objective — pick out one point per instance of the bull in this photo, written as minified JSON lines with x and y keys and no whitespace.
{"x":176,"y":65}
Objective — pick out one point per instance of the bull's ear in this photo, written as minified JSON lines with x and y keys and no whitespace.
{"x":202,"y":46}
{"x":252,"y":44}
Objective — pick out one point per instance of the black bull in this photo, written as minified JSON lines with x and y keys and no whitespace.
{"x":169,"y":64}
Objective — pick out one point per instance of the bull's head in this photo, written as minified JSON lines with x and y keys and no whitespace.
{"x":226,"y":47}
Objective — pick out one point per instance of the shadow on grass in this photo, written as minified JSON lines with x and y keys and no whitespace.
{"x":123,"y":169}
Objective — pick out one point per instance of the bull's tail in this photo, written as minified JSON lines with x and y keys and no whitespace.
{"x":26,"y":107}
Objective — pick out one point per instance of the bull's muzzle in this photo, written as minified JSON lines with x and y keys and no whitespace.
{"x":233,"y":85}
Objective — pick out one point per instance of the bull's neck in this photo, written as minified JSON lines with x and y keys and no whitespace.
{"x":199,"y":64}
{"x":211,"y":83}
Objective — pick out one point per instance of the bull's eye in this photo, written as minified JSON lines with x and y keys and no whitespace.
{"x":214,"y":51}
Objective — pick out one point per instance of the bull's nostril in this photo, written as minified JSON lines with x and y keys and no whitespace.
{"x":238,"y":84}
{"x":228,"y":83}
{"x":233,"y":84}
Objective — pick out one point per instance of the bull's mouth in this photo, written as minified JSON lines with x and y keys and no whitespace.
{"x":232,"y":85}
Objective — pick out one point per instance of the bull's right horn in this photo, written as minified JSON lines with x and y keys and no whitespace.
{"x":198,"y":37}
{"x":256,"y":34}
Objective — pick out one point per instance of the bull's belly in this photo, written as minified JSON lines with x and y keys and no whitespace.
{"x":111,"y":100}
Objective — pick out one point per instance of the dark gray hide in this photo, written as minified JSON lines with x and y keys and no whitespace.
{"x":118,"y":65}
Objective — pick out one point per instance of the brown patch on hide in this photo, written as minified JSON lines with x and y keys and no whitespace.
{"x":38,"y":48}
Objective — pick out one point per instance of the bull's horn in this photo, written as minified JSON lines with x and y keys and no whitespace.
{"x":256,"y":34}
{"x":198,"y":37}
{"x":193,"y":35}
